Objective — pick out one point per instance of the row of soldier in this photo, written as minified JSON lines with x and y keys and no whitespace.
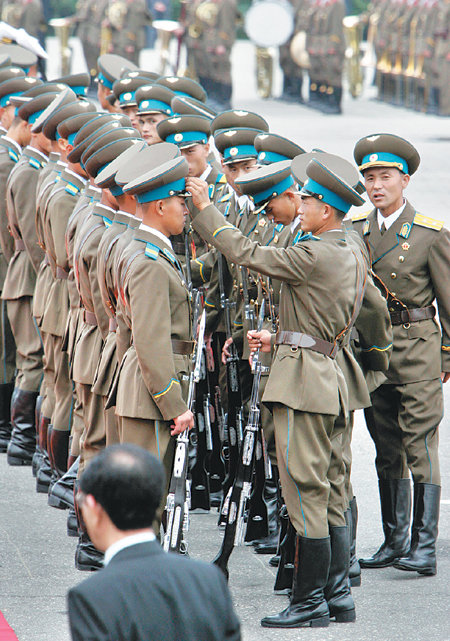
{"x":412,"y":48}
{"x":97,"y":292}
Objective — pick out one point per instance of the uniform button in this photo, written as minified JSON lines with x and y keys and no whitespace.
{"x":401,"y":259}
{"x":393,"y":275}
{"x":393,"y":294}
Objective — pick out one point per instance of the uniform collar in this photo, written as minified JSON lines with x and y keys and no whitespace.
{"x":156,"y":233}
{"x":390,"y":220}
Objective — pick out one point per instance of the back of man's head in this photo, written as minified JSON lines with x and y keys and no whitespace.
{"x":127,"y":481}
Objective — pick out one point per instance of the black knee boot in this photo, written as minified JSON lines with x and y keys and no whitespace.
{"x":87,"y":557}
{"x":285,"y":573}
{"x":44,"y":473}
{"x":272,"y":499}
{"x":37,"y":456}
{"x":337,"y":591}
{"x":6,"y":391}
{"x":354,"y":572}
{"x":395,"y":499}
{"x":61,"y":493}
{"x":22,"y":445}
{"x":307,"y":607}
{"x":421,"y":557}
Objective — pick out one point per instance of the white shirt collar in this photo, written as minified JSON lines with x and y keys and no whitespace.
{"x":206,"y":173}
{"x":156,"y":232}
{"x":390,"y":220}
{"x":243,"y":201}
{"x":36,"y":151}
{"x":128,"y":541}
{"x":10,"y":140}
{"x":295,"y":223}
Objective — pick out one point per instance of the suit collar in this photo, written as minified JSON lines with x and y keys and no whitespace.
{"x":137,"y":551}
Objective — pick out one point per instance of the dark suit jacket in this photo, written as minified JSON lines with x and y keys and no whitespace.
{"x":145,"y":594}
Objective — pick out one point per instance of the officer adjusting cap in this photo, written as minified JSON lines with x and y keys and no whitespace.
{"x":267,"y":182}
{"x":148,"y":158}
{"x":165,"y":181}
{"x":329,"y":186}
{"x":346,"y":170}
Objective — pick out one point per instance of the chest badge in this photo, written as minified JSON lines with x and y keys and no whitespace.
{"x":406,"y":246}
{"x":366,"y":228}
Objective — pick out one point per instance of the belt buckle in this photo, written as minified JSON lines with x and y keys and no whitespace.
{"x":406,"y":325}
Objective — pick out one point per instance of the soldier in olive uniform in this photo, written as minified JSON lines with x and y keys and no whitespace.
{"x":89,"y":18}
{"x":410,"y":258}
{"x":307,"y":423}
{"x":128,"y":20}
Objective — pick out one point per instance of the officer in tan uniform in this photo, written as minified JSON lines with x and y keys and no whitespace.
{"x":308,"y":422}
{"x":19,"y":285}
{"x":410,"y":259}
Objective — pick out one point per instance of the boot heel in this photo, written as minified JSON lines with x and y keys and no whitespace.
{"x":322,"y":622}
{"x":346,"y":617}
{"x":54,"y":501}
{"x":355,"y":581}
{"x":17,"y":460}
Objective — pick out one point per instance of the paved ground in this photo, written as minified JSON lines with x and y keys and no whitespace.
{"x":36,"y":557}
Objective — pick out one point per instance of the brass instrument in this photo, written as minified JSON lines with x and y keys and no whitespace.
{"x":264,"y":71}
{"x":205,"y":14}
{"x":298,"y":50}
{"x":353,"y":37}
{"x":165,"y":30}
{"x":62,"y":28}
{"x":105,"y":39}
{"x":116,"y":14}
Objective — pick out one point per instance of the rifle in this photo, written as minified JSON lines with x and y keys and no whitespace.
{"x":178,"y":498}
{"x":233,"y":428}
{"x":187,"y":256}
{"x":248,"y":309}
{"x":241,"y":488}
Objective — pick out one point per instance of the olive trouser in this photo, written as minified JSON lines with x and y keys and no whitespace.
{"x":403,"y":423}
{"x":7,"y":347}
{"x":311,"y":468}
{"x":28,"y":344}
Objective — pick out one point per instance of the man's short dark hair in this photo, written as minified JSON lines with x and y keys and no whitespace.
{"x":127,"y":481}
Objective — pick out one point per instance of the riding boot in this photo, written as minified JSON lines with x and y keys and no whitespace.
{"x":61,"y":494}
{"x":87,"y":557}
{"x":354,"y":572}
{"x":22,"y":444}
{"x":6,"y":391}
{"x":337,"y":591}
{"x":59,"y":448}
{"x":395,"y":499}
{"x":307,"y":607}
{"x":37,"y":456}
{"x":272,"y":499}
{"x":285,"y":573}
{"x":284,"y":522}
{"x":44,"y":473}
{"x":421,"y":557}
{"x":72,"y":524}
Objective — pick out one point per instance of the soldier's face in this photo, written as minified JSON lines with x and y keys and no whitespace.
{"x":147,"y":125}
{"x":196,"y":157}
{"x":174,"y":214}
{"x":282,"y":209}
{"x":235,"y":170}
{"x":385,"y":187}
{"x":131,"y":113}
{"x":311,"y":212}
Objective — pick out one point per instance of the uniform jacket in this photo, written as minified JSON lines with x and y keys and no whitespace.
{"x":9,"y":157}
{"x":21,"y":204}
{"x":145,"y":593}
{"x":153,"y":377}
{"x":318,"y":296}
{"x":412,"y":259}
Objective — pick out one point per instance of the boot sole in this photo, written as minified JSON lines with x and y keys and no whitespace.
{"x":344,"y":617}
{"x":322,"y":622}
{"x":16,"y":460}
{"x":422,"y":571}
{"x":54,"y":501}
{"x":42,"y":487}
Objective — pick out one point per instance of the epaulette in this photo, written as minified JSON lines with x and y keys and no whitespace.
{"x":13,"y":155}
{"x":221,"y":178}
{"x":279,"y":227}
{"x":226,"y":197}
{"x":300,"y":237}
{"x":72,"y":189}
{"x":33,"y":162}
{"x":359,"y":217}
{"x":429,"y":223}
{"x":152,"y":251}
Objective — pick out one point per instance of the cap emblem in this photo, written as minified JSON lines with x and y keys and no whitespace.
{"x":127,"y":96}
{"x":178,"y":137}
{"x":373,"y":157}
{"x":234,"y":151}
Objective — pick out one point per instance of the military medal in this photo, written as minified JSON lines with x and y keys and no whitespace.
{"x":405,"y":246}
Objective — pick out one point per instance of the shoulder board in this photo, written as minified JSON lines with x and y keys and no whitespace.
{"x":72,"y":189}
{"x":152,"y":251}
{"x":13,"y":155}
{"x":429,"y":223}
{"x":359,"y":217}
{"x":35,"y":163}
{"x":279,"y":227}
{"x":301,"y":237}
{"x":225,"y":198}
{"x":211,"y":189}
{"x":221,"y":179}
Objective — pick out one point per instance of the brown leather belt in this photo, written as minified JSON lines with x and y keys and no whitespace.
{"x":182,"y":347}
{"x":406,"y":316}
{"x":112,"y":325}
{"x":19,"y":245}
{"x":90,"y":318}
{"x":61,"y":273}
{"x":298,"y":339}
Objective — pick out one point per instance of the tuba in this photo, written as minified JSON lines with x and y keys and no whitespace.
{"x":62,"y":28}
{"x":353,"y":37}
{"x":116,"y":14}
{"x":165,"y":30}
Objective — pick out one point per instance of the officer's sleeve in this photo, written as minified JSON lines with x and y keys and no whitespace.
{"x":439,"y":266}
{"x":147,"y":290}
{"x":59,"y":216}
{"x":25,"y":207}
{"x":6,"y":240}
{"x":291,"y":265}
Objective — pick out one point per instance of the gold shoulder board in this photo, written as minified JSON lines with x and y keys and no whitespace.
{"x":429,"y":223}
{"x":359,"y":217}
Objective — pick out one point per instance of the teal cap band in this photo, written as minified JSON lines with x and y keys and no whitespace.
{"x":273,"y":191}
{"x":32,"y":119}
{"x":126,"y":97}
{"x":384,"y":159}
{"x":80,"y":91}
{"x":155,"y":105}
{"x":104,"y":80}
{"x":234,"y":154}
{"x":268,"y":157}
{"x":5,"y":99}
{"x":188,"y":136}
{"x":116,"y":190}
{"x":328,"y":196}
{"x":166,"y":191}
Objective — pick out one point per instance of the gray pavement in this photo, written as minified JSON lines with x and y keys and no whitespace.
{"x":36,"y":557}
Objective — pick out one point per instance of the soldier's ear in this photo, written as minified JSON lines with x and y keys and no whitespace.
{"x":405,"y":180}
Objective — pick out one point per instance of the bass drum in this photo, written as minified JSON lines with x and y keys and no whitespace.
{"x":269,"y":23}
